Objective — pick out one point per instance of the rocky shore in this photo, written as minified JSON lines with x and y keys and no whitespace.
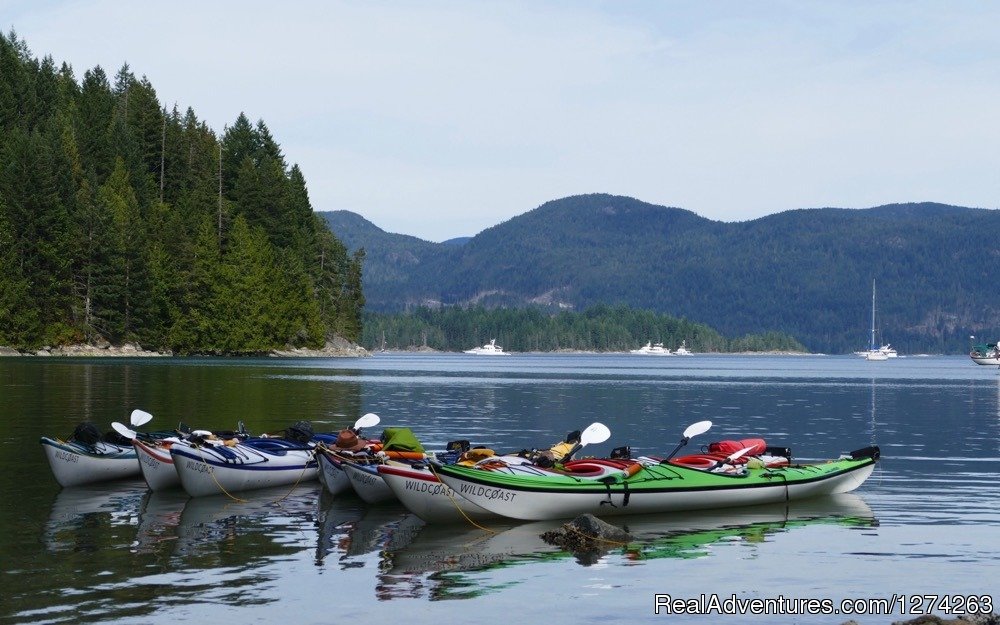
{"x":336,"y":347}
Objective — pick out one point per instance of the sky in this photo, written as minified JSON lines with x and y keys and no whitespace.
{"x":440,"y":119}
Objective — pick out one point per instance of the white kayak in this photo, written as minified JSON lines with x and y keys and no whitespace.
{"x":156,"y":463}
{"x":367,"y":483}
{"x":74,"y":463}
{"x":419,"y":489}
{"x":211,"y":468}
{"x":331,"y":471}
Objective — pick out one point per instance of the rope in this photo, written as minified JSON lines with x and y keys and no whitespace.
{"x":211,"y":472}
{"x":312,"y":453}
{"x":276,"y":501}
{"x":779,"y":472}
{"x":448,"y":491}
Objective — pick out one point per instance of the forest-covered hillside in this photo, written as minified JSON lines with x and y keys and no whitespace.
{"x":124,"y":221}
{"x":805,"y":273}
{"x":531,"y":329}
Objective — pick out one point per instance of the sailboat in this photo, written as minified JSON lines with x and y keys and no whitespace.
{"x":876,"y":352}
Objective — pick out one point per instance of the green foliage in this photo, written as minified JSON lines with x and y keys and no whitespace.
{"x":599,"y":328}
{"x":113,"y":226}
{"x":20,"y":318}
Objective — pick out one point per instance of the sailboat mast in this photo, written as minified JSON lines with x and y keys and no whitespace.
{"x":873,"y":315}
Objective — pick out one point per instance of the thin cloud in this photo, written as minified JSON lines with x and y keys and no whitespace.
{"x":440,"y":119}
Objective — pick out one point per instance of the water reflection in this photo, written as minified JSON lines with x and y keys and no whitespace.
{"x":79,"y":515}
{"x":431,"y":564}
{"x":407,"y":558}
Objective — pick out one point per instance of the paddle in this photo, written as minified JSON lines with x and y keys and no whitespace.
{"x":692,"y":430}
{"x":594,"y":433}
{"x":140,"y":417}
{"x":137,"y":418}
{"x":119,"y":427}
{"x":731,"y":457}
{"x":366,"y":421}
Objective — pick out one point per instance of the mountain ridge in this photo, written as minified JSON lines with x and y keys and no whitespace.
{"x":806,"y":272}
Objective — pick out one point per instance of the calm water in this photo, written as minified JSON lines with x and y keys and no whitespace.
{"x":926,"y":522}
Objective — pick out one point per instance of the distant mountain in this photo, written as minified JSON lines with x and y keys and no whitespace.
{"x":804,"y":272}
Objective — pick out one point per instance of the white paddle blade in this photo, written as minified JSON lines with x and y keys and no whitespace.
{"x":140,"y":417}
{"x":697,"y":428}
{"x":367,"y":421}
{"x":738,"y":454}
{"x":595,"y":433}
{"x":123,"y":430}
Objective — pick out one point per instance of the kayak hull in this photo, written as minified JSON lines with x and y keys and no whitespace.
{"x":211,"y":470}
{"x":367,"y":483}
{"x":657,"y":488}
{"x":156,"y":464}
{"x":332,"y":474}
{"x":420,"y":491}
{"x":74,"y":464}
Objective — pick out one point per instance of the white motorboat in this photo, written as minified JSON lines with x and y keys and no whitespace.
{"x":683,"y":350}
{"x":651,"y":349}
{"x":985,"y":353}
{"x":490,"y":349}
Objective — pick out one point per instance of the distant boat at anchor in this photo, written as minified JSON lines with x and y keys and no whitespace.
{"x":985,"y":353}
{"x":490,"y":349}
{"x":651,"y":349}
{"x":876,"y":351}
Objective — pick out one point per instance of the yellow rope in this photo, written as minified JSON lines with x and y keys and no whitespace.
{"x":235,"y":498}
{"x":447,"y":492}
{"x":304,"y":467}
{"x":211,"y":472}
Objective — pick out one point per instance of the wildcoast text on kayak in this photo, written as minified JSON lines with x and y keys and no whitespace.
{"x":898,"y":603}
{"x":472,"y":490}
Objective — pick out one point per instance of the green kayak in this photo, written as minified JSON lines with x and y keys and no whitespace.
{"x":662,"y":487}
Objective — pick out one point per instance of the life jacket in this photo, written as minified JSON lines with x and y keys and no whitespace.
{"x":561,"y":449}
{"x":472,"y":456}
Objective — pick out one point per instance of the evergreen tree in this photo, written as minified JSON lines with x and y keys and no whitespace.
{"x":40,"y":228}
{"x":354,"y":299}
{"x":18,"y":316}
{"x":119,"y":302}
{"x":198,"y":324}
{"x":95,"y":107}
{"x":117,"y":222}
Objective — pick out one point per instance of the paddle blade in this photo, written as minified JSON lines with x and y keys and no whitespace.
{"x":123,"y":430}
{"x":697,"y":428}
{"x":367,"y":421}
{"x":738,"y":454}
{"x":140,"y":417}
{"x":595,"y":433}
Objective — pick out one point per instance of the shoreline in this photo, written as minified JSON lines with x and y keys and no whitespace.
{"x":338,"y":348}
{"x":430,"y":350}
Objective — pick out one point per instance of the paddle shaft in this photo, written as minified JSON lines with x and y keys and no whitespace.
{"x":684,"y":441}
